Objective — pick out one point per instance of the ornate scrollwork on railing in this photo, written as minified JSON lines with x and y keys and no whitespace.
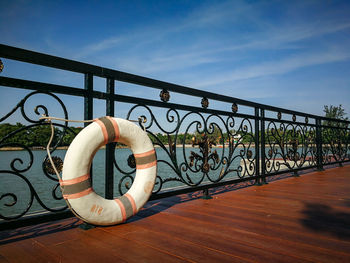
{"x":279,"y":115}
{"x":205,"y":144}
{"x":222,"y":153}
{"x":29,"y":173}
{"x":234,"y":107}
{"x":58,"y":163}
{"x":289,"y":146}
{"x":164,"y":95}
{"x":335,"y":144}
{"x":205,"y":102}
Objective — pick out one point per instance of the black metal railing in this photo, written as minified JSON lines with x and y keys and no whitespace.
{"x":198,"y":146}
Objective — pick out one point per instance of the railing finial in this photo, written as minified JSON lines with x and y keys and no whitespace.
{"x":1,"y":65}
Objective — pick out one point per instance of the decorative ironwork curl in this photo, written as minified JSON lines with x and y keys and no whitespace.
{"x":164,"y":95}
{"x":57,"y":162}
{"x":336,"y":144}
{"x":222,"y":153}
{"x":279,"y":115}
{"x":289,"y":146}
{"x":13,"y":196}
{"x":33,"y":196}
{"x":19,"y":172}
{"x":205,"y":103}
{"x":234,"y":107}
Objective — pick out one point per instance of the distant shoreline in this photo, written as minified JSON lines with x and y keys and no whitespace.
{"x":39,"y":148}
{"x":31,"y":148}
{"x":66,"y":147}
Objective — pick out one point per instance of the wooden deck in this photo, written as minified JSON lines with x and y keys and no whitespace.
{"x":303,"y":219}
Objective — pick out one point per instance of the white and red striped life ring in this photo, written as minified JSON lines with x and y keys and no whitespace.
{"x":76,"y":180}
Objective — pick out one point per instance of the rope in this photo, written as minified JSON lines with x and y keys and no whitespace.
{"x":50,"y":158}
{"x":44,"y":117}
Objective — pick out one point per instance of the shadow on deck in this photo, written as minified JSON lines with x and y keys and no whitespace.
{"x":298,"y":219}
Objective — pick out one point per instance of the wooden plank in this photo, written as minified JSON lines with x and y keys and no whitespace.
{"x":214,"y":236}
{"x":28,"y":251}
{"x":301,"y":219}
{"x":254,"y":221}
{"x":265,"y":245}
{"x":85,"y":250}
{"x":175,"y":245}
{"x":3,"y":259}
{"x":125,"y":249}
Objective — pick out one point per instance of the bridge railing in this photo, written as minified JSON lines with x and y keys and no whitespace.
{"x":202,"y":139}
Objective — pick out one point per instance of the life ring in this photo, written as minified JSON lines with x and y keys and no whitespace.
{"x":76,"y":181}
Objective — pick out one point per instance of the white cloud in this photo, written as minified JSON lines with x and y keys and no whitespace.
{"x":275,"y":67}
{"x":148,"y":49}
{"x":102,"y":45}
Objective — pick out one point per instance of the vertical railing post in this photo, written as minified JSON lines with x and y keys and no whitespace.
{"x":88,"y":115}
{"x":340,"y":141}
{"x":257,"y":148}
{"x":110,"y":147}
{"x":263,"y":151}
{"x":319,"y":145}
{"x":206,"y":194}
{"x":88,"y":101}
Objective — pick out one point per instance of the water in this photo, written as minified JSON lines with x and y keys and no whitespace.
{"x":16,"y":183}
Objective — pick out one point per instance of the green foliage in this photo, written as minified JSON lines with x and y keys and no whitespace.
{"x":7,"y":129}
{"x":36,"y":136}
{"x":69,"y":136}
{"x":164,"y":139}
{"x":334,"y":112}
{"x":289,"y":136}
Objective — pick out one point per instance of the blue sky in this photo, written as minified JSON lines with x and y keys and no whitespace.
{"x":290,"y":54}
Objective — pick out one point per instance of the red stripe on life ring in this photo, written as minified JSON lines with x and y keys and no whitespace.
{"x":78,"y":195}
{"x":122,"y":208}
{"x":75,"y":180}
{"x":138,"y":155}
{"x":104,"y":130}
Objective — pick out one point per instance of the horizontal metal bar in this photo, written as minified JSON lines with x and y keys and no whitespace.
{"x":336,"y":162}
{"x":46,"y":87}
{"x":334,"y":127}
{"x":127,"y":99}
{"x":199,"y":188}
{"x":41,"y":86}
{"x":304,"y":168}
{"x":334,"y":120}
{"x":290,"y":171}
{"x":290,"y":122}
{"x":80,"y":67}
{"x":34,"y":219}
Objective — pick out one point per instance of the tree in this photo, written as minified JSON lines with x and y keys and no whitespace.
{"x":34,"y":136}
{"x":69,"y":136}
{"x":334,"y":112}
